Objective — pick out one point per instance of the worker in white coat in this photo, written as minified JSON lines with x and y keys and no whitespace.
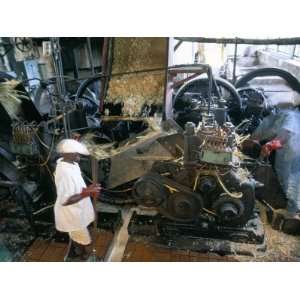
{"x":73,"y":208}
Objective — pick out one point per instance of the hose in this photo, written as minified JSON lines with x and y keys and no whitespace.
{"x":49,"y":154}
{"x":234,"y":194}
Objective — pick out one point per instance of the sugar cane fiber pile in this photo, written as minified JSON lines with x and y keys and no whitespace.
{"x":103,"y":151}
{"x":280,"y":246}
{"x":138,"y":89}
{"x":10,"y":98}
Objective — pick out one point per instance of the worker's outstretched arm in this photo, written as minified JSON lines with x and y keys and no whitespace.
{"x":92,"y":190}
{"x":73,"y":199}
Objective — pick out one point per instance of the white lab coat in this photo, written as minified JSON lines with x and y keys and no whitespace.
{"x":69,"y":181}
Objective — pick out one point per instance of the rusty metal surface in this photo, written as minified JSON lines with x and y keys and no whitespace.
{"x":136,"y":155}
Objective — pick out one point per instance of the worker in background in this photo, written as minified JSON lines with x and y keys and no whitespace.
{"x":280,"y":132}
{"x":73,"y":208}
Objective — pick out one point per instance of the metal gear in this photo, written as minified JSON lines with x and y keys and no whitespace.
{"x":228,"y":209}
{"x":182,"y":207}
{"x":148,"y":191}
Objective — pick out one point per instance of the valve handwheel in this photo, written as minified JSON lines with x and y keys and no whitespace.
{"x":23,"y":44}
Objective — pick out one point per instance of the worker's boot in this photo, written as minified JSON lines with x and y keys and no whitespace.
{"x":72,"y":254}
{"x":84,"y":252}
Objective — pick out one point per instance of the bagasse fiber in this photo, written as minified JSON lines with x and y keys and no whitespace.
{"x":10,"y":98}
{"x":135,"y":90}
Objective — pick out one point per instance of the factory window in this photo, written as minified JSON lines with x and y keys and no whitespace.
{"x":292,"y":51}
{"x":297,"y":51}
{"x":272,"y":47}
{"x":286,"y":49}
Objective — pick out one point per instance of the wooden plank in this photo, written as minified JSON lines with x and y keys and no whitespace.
{"x":37,"y":249}
{"x":46,"y":251}
{"x":54,"y":254}
{"x":141,"y":252}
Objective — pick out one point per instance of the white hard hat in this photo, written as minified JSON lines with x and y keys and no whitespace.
{"x":72,"y":146}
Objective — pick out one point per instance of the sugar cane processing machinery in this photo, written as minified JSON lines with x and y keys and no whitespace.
{"x":209,"y":191}
{"x":194,"y":177}
{"x":183,"y":175}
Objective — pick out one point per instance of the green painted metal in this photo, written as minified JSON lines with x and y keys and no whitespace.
{"x":220,"y":158}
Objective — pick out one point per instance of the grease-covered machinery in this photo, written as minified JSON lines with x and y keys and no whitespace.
{"x":208,"y":181}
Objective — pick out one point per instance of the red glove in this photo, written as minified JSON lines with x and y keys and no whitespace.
{"x":269,"y":147}
{"x":92,"y":190}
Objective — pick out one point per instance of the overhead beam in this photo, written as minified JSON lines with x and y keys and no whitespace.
{"x":278,"y":41}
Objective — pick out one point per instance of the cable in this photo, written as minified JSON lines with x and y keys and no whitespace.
{"x":171,"y":189}
{"x":49,"y":154}
{"x":208,"y":211}
{"x":268,"y":205}
{"x":51,"y":175}
{"x":40,"y":140}
{"x":234,"y":194}
{"x":241,"y":139}
{"x":196,"y":182}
